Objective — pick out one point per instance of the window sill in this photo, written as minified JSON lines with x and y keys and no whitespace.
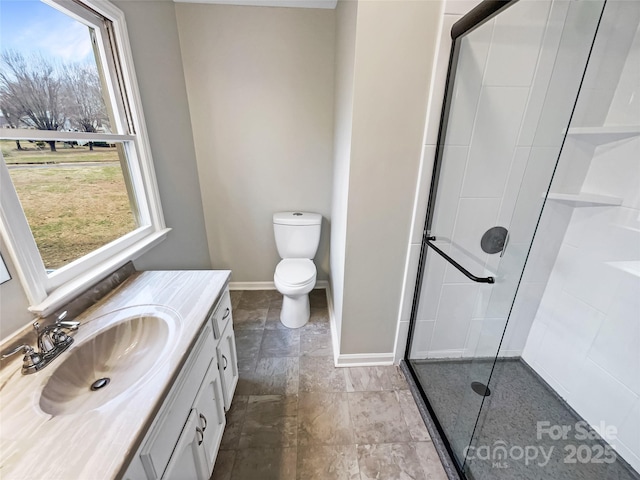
{"x":72,"y":289}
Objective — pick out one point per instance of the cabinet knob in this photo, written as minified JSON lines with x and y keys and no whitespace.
{"x":226,"y":362}
{"x":227,"y":312}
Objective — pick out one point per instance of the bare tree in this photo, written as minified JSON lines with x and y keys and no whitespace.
{"x":34,"y":89}
{"x":11,"y":114}
{"x":83,"y":98}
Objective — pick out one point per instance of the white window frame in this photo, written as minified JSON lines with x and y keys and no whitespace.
{"x":47,"y":292}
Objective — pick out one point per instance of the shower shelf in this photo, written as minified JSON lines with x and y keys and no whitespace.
{"x":585,"y":199}
{"x":603,"y":135}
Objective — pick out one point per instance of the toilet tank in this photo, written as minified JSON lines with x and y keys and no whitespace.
{"x":297,"y":234}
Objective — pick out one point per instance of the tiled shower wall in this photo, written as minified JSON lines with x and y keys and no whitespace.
{"x":507,"y":120}
{"x":585,"y":339}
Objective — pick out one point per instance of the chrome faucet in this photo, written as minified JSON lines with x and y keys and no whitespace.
{"x":52,"y":341}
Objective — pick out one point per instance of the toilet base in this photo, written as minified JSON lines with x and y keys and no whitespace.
{"x":295,"y":310}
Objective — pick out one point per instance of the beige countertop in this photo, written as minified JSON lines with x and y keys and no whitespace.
{"x":99,"y":443}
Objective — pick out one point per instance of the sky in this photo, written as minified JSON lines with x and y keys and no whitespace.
{"x":31,"y":26}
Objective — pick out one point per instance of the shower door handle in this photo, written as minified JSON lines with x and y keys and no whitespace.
{"x":466,"y":272}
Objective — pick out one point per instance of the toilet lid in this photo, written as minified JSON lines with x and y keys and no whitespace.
{"x":295,"y":271}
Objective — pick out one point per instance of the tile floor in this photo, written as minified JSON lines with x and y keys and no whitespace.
{"x":295,"y":416}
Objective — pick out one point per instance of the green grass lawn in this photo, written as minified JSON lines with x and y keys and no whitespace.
{"x":73,"y":210}
{"x":32,"y":153}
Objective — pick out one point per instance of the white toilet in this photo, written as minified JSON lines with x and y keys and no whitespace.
{"x":297,"y":238}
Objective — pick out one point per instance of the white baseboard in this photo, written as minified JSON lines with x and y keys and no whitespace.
{"x":364,"y":359}
{"x":320,"y":284}
{"x":252,"y":286}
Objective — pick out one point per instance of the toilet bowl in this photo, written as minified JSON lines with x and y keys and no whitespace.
{"x":294,"y":279}
{"x":297,"y":236}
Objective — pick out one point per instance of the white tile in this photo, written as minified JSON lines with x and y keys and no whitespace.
{"x":440,"y":79}
{"x":432,"y":279}
{"x":616,"y":347}
{"x":421,"y":343}
{"x":449,"y":334}
{"x":422,"y":199}
{"x":514,"y":182}
{"x":495,"y":132}
{"x":457,"y":302}
{"x":468,"y":81}
{"x":449,"y":184}
{"x":629,"y":437}
{"x":610,"y":402}
{"x":484,"y":337}
{"x":515,"y":46}
{"x":522,"y":316}
{"x":543,"y":72}
{"x":531,"y":351}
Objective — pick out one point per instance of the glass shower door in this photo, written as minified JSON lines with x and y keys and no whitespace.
{"x":512,"y":88}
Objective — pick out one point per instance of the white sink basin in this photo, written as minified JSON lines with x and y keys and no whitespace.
{"x":117,"y":358}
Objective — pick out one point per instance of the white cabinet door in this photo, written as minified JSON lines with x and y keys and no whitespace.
{"x":188,"y":461}
{"x":228,"y":364}
{"x":210,"y":411}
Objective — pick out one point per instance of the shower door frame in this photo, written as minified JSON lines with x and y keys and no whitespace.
{"x":475,"y":18}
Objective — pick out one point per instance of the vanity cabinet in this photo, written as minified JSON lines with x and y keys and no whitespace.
{"x":183,"y":440}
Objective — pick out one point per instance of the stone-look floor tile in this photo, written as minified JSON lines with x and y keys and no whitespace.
{"x":330,"y":462}
{"x":395,"y":460}
{"x":235,"y":298}
{"x":377,"y":418}
{"x":248,"y":382}
{"x":430,"y":461}
{"x":318,"y":298}
{"x":276,"y":299}
{"x":273,"y":319}
{"x":315,"y":345}
{"x":235,"y":421}
{"x":318,"y":322}
{"x":249,"y":319}
{"x":323,"y":419}
{"x":255,"y":299}
{"x":280,"y":343}
{"x":319,"y":374}
{"x":397,"y":379}
{"x":270,"y":422}
{"x":278,"y":376}
{"x":265,"y":464}
{"x":224,"y":465}
{"x":248,"y":343}
{"x":366,"y":379}
{"x":411,"y":414}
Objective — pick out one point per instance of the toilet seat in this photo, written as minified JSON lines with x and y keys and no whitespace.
{"x":295,"y":272}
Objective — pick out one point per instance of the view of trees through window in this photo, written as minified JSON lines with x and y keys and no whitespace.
{"x":74,"y":194}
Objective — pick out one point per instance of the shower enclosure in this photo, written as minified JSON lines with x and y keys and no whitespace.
{"x":524,"y":339}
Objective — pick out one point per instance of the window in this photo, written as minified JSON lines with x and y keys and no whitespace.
{"x":77,"y":185}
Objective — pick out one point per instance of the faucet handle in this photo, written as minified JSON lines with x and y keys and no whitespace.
{"x":26,"y":349}
{"x":69,"y":324}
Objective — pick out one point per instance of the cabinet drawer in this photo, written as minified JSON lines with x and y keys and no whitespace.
{"x":221,"y":316}
{"x":160,"y":443}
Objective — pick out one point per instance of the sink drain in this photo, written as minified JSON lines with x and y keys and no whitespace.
{"x":100,"y":383}
{"x":481,"y":389}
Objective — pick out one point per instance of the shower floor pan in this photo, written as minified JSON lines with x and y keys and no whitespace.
{"x":516,"y":436}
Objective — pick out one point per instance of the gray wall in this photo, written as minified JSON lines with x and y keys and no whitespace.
{"x":346,"y":12}
{"x":13,"y":300}
{"x":155,"y":45}
{"x":394,"y":52}
{"x":260,"y":87}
